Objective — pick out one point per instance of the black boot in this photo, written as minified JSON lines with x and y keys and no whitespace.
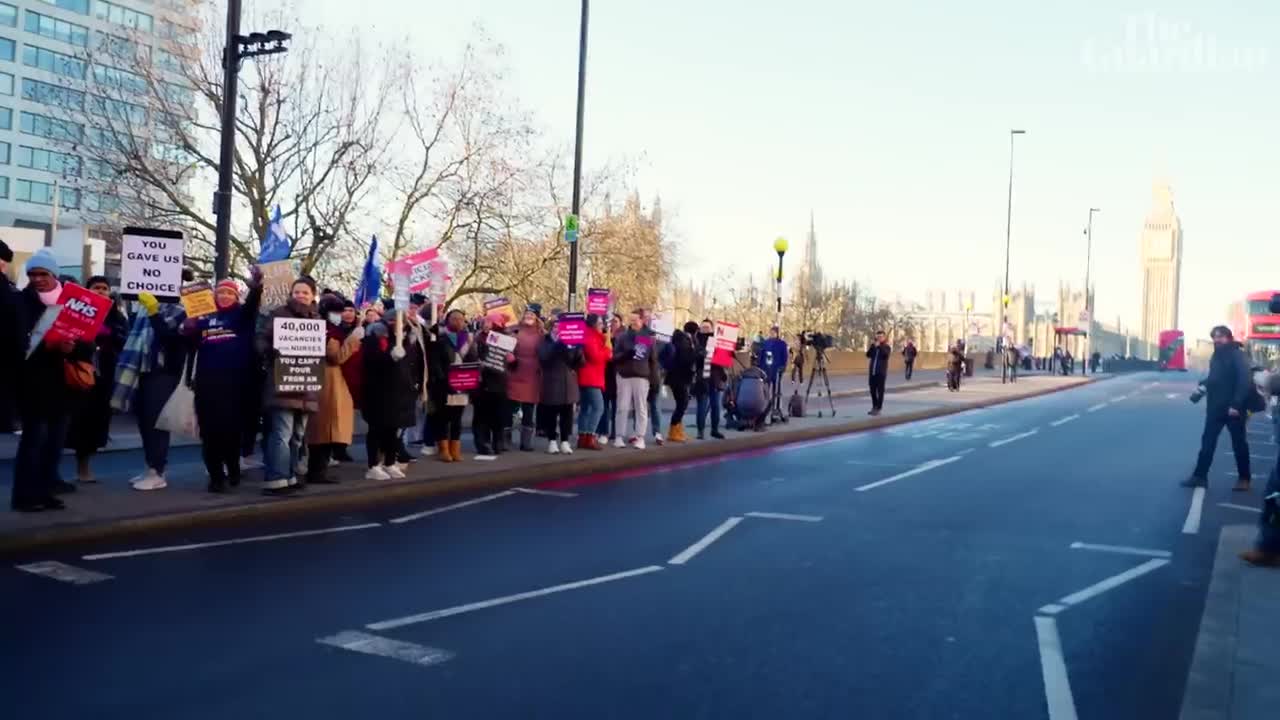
{"x":526,"y":439}
{"x":500,"y":441}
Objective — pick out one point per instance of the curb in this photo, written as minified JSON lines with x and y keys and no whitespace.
{"x":370,"y":497}
{"x":1208,"y":694}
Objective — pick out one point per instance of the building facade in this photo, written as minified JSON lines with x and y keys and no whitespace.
{"x":53,"y":54}
{"x":1161,"y":250}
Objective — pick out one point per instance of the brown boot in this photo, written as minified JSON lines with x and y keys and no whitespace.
{"x":678,"y":434}
{"x":455,"y":450}
{"x":1242,"y":485}
{"x":443,"y":451}
{"x":1260,"y":558}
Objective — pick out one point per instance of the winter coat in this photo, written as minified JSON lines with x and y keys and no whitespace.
{"x":335,"y":421}
{"x":524,"y":380}
{"x":13,"y":330}
{"x":683,"y":359}
{"x":878,"y":354}
{"x":304,"y":401}
{"x":41,"y":386}
{"x":1229,"y":382}
{"x":91,"y":425}
{"x":559,"y":372}
{"x":443,"y":353}
{"x":389,"y":399}
{"x":909,"y":352}
{"x":595,"y":358}
{"x":491,"y":381}
{"x":717,"y":379}
{"x":629,"y":363}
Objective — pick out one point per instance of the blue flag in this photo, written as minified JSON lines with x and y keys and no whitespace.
{"x":276,"y":245}
{"x":371,"y":278}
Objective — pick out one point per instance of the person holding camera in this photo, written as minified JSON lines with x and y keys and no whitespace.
{"x":878,"y":370}
{"x":1227,"y":392}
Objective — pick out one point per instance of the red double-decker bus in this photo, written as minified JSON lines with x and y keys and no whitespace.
{"x":1253,"y":324}
{"x":1173,"y":354}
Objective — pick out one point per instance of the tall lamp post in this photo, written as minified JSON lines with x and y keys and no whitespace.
{"x":1088,"y":295}
{"x":571,"y":224}
{"x":238,"y":48}
{"x":1008,"y":233}
{"x":780,"y":247}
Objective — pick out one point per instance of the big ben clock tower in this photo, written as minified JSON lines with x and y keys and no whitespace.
{"x":1161,"y":266}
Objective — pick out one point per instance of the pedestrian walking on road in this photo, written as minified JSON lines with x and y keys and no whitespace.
{"x":1227,"y":395}
{"x":634,"y":360}
{"x":955,"y":367}
{"x":909,"y":353}
{"x":878,"y":370}
{"x":91,"y":426}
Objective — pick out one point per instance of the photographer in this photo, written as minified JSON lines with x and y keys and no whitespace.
{"x":878,"y":370}
{"x":1228,"y":388}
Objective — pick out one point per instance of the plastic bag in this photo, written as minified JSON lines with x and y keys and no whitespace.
{"x":179,"y":413}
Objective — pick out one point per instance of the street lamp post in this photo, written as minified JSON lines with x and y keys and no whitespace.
{"x":238,"y":48}
{"x":571,"y":235}
{"x":1008,"y":233}
{"x":780,"y":247}
{"x":1088,"y":295}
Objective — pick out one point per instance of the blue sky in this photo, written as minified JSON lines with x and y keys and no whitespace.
{"x":890,"y":121}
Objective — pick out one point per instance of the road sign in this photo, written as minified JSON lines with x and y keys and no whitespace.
{"x":571,"y":228}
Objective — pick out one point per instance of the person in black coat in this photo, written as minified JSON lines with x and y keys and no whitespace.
{"x":1227,"y":388}
{"x":45,"y":401}
{"x":447,"y":346}
{"x":490,"y":399}
{"x":878,"y":370}
{"x":11,"y":341}
{"x":709,"y":381}
{"x":389,"y":396}
{"x":91,"y":426}
{"x":680,"y":368}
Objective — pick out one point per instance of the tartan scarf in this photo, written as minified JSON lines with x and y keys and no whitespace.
{"x":139,"y":356}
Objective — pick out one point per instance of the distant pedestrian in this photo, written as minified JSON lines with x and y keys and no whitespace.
{"x":909,"y":353}
{"x":955,"y":367}
{"x":1227,"y":394}
{"x":878,"y":370}
{"x":1012,"y":360}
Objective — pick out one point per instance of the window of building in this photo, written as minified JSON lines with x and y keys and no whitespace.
{"x":41,"y":193}
{"x":48,"y":94}
{"x":174,"y":31}
{"x":118,"y":109}
{"x":52,"y":61}
{"x":4,"y":187}
{"x":56,"y":29}
{"x":121,"y":15}
{"x":8,"y":15}
{"x":4,"y":153}
{"x":58,"y":163}
{"x":44,"y":126}
{"x":115,"y":77}
{"x":121,"y":48}
{"x":166,"y":60}
{"x":80,"y":6}
{"x":8,"y":49}
{"x":6,"y":118}
{"x":101,"y":202}
{"x":178,"y":94}
{"x":6,"y":83}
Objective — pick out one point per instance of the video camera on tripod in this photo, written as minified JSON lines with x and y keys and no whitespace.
{"x":816,"y":340}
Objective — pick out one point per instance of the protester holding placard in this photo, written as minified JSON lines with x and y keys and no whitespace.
{"x":709,"y":381}
{"x":595,"y":357}
{"x":493,"y":349}
{"x":449,"y":349}
{"x":91,"y":425}
{"x":524,"y":383}
{"x":224,"y":363}
{"x":148,"y":371}
{"x":635,"y":361}
{"x":288,"y":410}
{"x":389,"y":394}
{"x":560,"y":363}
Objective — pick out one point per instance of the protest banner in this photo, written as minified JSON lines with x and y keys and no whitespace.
{"x":82,"y":315}
{"x":298,"y":337}
{"x":417,"y":267}
{"x":726,"y":343}
{"x":438,"y":276}
{"x":500,"y":305}
{"x":151,"y":261}
{"x":277,"y":283}
{"x":663,"y":324}
{"x":598,"y":301}
{"x":197,"y":299}
{"x":464,"y":377}
{"x":299,"y":374}
{"x":497,"y":346}
{"x":400,"y":292}
{"x":572,"y":328}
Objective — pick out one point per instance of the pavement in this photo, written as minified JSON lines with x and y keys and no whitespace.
{"x":1028,"y":559}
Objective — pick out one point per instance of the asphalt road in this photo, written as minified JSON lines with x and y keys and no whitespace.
{"x":922,"y":571}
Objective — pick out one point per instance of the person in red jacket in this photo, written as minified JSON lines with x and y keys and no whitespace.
{"x":595,"y":352}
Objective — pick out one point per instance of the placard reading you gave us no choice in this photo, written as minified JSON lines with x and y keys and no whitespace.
{"x":151,"y":261}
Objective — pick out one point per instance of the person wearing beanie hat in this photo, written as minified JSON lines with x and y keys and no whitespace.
{"x":11,"y":339}
{"x":224,"y":360}
{"x":91,"y":425}
{"x":288,"y":411}
{"x":43,"y":259}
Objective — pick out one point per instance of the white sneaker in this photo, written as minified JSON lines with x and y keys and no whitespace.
{"x":565,"y":447}
{"x":619,"y":443}
{"x":376,"y":473}
{"x":151,"y":480}
{"x":657,"y":437}
{"x":394,"y":471}
{"x":553,"y":448}
{"x":250,"y":463}
{"x":638,"y":443}
{"x":602,"y":440}
{"x":333,"y":462}
{"x":429,"y":450}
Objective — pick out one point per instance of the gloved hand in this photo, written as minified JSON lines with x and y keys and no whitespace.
{"x":397,"y":352}
{"x":149,"y":303}
{"x":358,"y":332}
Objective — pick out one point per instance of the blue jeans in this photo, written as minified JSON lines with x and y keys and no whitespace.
{"x":654,"y":420}
{"x":710,"y":400}
{"x":285,"y":439}
{"x":35,"y":471}
{"x":609,"y":407}
{"x":153,"y":392}
{"x":590,"y":409}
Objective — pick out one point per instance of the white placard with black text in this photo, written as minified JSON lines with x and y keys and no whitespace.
{"x":298,"y":337}
{"x":152,"y":264}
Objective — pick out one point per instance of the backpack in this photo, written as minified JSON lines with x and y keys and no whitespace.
{"x":796,"y":406}
{"x":667,"y":357}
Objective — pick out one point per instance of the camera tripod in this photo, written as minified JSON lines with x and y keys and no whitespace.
{"x":820,"y":368}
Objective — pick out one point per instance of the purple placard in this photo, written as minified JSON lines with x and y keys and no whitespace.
{"x":598,"y":301}
{"x":572,"y":328}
